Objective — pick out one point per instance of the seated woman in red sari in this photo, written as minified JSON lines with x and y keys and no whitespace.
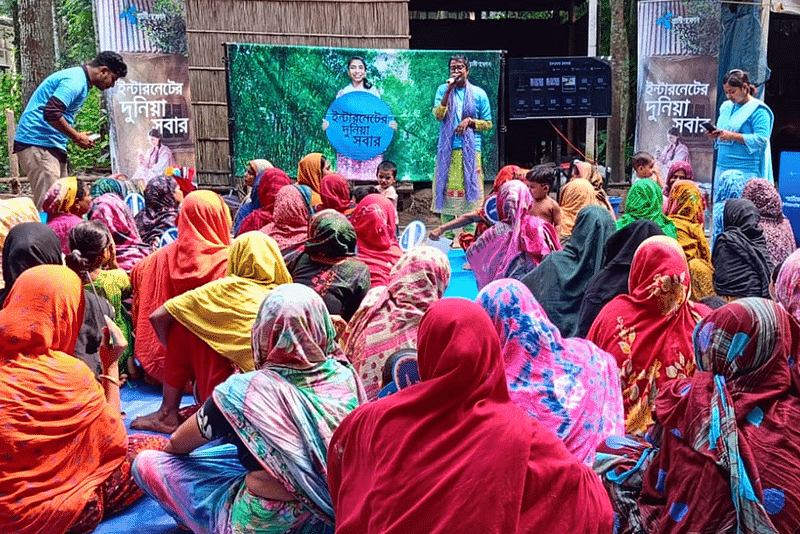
{"x":335,"y":194}
{"x":198,"y":256}
{"x":327,"y":264}
{"x":206,"y":331}
{"x":66,"y":460}
{"x":375,"y":221}
{"x":726,"y":454}
{"x":289,"y":224}
{"x":649,"y":330}
{"x":266,"y":188}
{"x":438,"y":445}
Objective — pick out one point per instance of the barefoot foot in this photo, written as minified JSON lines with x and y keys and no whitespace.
{"x":157,"y":422}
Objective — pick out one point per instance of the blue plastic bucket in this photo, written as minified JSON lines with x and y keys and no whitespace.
{"x":615,"y":202}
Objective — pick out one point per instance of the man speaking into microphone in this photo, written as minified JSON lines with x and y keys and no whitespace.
{"x":463,"y":110}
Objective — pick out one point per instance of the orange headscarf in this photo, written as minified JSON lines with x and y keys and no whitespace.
{"x":198,"y":256}
{"x":60,"y":438}
{"x":309,"y":172}
{"x":509,"y":172}
{"x":575,"y":195}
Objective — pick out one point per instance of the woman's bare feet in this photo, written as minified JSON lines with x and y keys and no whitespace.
{"x":159,"y":421}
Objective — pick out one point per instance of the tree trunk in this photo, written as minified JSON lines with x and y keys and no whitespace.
{"x":620,"y":104}
{"x":36,"y":44}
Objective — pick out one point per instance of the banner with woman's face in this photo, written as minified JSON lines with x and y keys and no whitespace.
{"x":356,"y":106}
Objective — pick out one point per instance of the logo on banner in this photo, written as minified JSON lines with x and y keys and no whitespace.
{"x":359,"y":125}
{"x":666,"y":20}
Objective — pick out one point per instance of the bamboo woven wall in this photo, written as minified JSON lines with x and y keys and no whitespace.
{"x":210,"y":23}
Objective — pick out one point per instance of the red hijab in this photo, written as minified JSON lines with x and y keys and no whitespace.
{"x":269,"y":183}
{"x":335,"y":193}
{"x":448,"y":447}
{"x":649,"y":330}
{"x":375,"y":221}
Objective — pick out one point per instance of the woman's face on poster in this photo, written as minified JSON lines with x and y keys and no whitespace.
{"x":673,"y":139}
{"x":737,"y":95}
{"x":357,"y":71}
{"x":153,"y":141}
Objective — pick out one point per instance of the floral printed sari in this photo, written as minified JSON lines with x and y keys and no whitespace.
{"x":649,"y":330}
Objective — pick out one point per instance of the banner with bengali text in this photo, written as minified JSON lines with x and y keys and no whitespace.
{"x":677,"y":91}
{"x":155,"y":94}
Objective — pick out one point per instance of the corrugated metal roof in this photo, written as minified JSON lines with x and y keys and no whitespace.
{"x":118,"y":28}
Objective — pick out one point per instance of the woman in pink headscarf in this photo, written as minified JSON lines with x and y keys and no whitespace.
{"x":516,"y":244}
{"x":375,"y":221}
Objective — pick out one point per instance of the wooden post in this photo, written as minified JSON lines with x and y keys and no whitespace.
{"x":11,"y":131}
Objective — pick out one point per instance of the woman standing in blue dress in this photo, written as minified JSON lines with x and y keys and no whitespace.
{"x":743,"y":130}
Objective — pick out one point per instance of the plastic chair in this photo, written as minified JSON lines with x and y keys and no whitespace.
{"x":490,"y":209}
{"x":399,"y":372}
{"x":135,"y":202}
{"x":169,"y":235}
{"x":414,"y":235}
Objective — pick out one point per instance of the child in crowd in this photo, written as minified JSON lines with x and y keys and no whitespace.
{"x":644,"y":166}
{"x":387,"y":176}
{"x":540,"y":180}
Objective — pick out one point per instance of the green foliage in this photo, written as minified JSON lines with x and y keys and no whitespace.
{"x":701,"y":39}
{"x":279,"y":96}
{"x":10,"y":98}
{"x":79,"y":44}
{"x":167,"y":28}
{"x":94,"y":118}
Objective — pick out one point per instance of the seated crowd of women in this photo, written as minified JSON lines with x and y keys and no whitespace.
{"x":590,"y":387}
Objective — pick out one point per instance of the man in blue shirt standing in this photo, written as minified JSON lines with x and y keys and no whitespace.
{"x":48,"y":119}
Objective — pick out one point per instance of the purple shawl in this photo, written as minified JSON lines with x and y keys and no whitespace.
{"x":444,"y":149}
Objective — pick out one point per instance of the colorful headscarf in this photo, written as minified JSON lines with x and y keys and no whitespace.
{"x":293,"y":329}
{"x":184,"y":176}
{"x":684,"y":166}
{"x":61,"y":439}
{"x":221,"y":312}
{"x":741,"y":261}
{"x":160,"y":209}
{"x":787,"y":286}
{"x":649,"y":330}
{"x":516,"y":244}
{"x":575,"y":195}
{"x":730,"y":184}
{"x":685,"y":210}
{"x":729,"y":426}
{"x":389,"y":316}
{"x":506,"y":173}
{"x":569,"y":385}
{"x":112,"y":211}
{"x":289,"y":227}
{"x":646,"y":201}
{"x":309,"y":173}
{"x":589,"y":172}
{"x":375,"y":222}
{"x":335,"y":193}
{"x":267,"y":185}
{"x":61,"y":196}
{"x":107,"y":185}
{"x":331,"y":237}
{"x":430,"y":445}
{"x":777,"y":228}
{"x":286,"y":412}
